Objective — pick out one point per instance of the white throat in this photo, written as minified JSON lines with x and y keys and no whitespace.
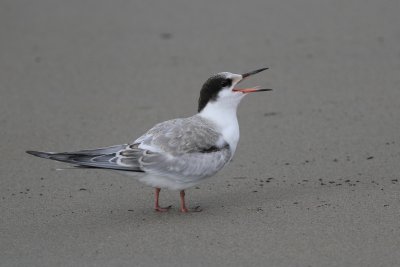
{"x":223,"y":114}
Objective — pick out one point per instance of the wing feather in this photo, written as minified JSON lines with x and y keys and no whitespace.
{"x":106,"y":158}
{"x":182,"y":149}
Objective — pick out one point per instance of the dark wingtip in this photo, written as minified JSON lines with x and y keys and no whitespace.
{"x":38,"y":154}
{"x":32,"y":152}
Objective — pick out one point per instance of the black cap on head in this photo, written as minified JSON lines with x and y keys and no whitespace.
{"x":211,"y":88}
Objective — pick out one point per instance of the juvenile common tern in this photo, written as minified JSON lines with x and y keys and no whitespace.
{"x":179,"y":153}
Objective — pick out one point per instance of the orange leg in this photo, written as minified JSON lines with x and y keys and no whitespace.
{"x":156,"y":205}
{"x":183,"y":205}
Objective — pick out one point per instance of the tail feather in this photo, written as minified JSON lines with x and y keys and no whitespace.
{"x":90,"y":159}
{"x":63,"y":157}
{"x":40,"y":154}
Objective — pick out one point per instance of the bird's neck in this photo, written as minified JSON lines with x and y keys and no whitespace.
{"x":225,"y":119}
{"x":221,"y":115}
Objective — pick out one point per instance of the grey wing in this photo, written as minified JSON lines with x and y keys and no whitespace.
{"x":120,"y":157}
{"x":186,"y":167}
{"x":183,"y":149}
{"x":193,"y":134}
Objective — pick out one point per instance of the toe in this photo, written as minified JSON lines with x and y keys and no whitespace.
{"x":197,"y":209}
{"x":159,"y":209}
{"x":184,"y":210}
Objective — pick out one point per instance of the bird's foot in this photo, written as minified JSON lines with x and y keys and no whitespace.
{"x":184,"y":210}
{"x":160,"y":209}
{"x":195,"y":209}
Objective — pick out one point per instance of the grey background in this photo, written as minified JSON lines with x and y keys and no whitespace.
{"x":84,"y":74}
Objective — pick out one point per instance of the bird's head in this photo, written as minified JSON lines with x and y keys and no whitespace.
{"x":220,"y":89}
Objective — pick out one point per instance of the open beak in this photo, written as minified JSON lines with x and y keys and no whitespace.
{"x":245,"y":75}
{"x":252,"y":89}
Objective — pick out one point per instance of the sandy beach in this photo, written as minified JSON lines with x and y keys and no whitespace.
{"x":316,"y":177}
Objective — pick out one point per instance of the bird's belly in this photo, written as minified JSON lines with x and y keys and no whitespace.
{"x":181,"y":172}
{"x":159,"y":181}
{"x":166,"y":182}
{"x":176,"y":182}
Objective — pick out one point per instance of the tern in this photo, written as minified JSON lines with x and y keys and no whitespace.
{"x":177,"y":154}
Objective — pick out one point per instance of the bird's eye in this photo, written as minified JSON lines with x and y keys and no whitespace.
{"x":226,"y":83}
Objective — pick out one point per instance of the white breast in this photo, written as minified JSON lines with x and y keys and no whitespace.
{"x":225,"y":119}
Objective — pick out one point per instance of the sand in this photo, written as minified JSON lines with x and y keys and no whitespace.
{"x":315,"y":179}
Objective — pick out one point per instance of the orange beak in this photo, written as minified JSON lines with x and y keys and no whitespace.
{"x":253,"y":89}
